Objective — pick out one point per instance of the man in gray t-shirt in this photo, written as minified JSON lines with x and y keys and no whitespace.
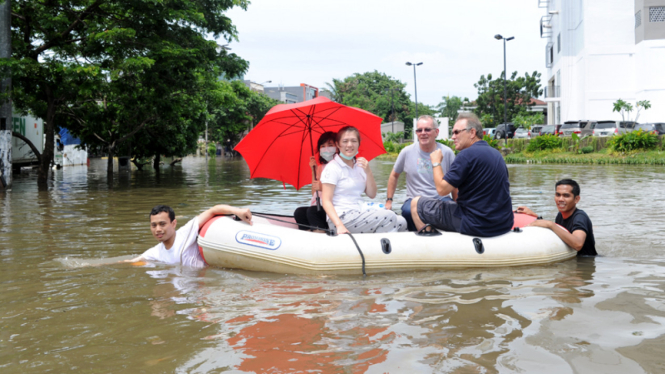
{"x":415,"y":161}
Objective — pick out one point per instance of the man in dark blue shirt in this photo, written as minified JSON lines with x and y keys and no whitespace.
{"x":483,"y":207}
{"x":580,"y":230}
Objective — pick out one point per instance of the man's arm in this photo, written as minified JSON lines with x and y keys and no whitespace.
{"x":392,"y":186}
{"x":575,"y":239}
{"x":443,"y":188}
{"x":218,"y":210}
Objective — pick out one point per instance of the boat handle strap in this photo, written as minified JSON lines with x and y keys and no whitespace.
{"x":359,"y":251}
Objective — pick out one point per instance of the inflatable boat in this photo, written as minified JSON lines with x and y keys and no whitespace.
{"x":274,"y":244}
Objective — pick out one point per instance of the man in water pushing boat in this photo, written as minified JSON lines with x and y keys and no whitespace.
{"x":479,"y":173}
{"x":180,"y":247}
{"x":415,"y":161}
{"x":579,"y":234}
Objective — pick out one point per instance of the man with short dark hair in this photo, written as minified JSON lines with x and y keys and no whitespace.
{"x":414,"y":160}
{"x":179,"y":247}
{"x":483,"y":207}
{"x":579,"y":234}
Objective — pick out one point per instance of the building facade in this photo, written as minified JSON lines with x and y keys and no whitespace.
{"x":599,"y":51}
{"x":292,"y":95}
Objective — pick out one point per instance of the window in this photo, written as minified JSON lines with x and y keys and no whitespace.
{"x":657,"y":14}
{"x":558,"y":43}
{"x":638,"y":18}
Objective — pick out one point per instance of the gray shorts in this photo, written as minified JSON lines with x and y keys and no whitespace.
{"x":440,"y":214}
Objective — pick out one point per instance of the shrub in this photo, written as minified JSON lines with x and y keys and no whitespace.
{"x":494,"y":143}
{"x":543,"y":142}
{"x":212,"y":149}
{"x":587,"y":149}
{"x":389,"y":146}
{"x":449,"y":143}
{"x":632,"y":141}
{"x":393,"y":137}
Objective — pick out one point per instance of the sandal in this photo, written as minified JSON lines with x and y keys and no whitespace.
{"x":428,"y":230}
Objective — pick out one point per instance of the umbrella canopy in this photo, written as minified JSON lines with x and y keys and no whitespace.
{"x":279,"y":147}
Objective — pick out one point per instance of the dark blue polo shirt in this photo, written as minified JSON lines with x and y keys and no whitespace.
{"x":483,"y":202}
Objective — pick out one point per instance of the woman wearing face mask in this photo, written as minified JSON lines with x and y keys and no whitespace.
{"x":344,"y":180}
{"x":311,"y":215}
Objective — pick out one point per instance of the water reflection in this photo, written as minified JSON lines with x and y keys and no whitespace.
{"x":598,"y":315}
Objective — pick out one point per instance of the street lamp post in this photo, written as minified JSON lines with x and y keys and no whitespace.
{"x":392,"y":106}
{"x":415,"y":86}
{"x":505,"y":101}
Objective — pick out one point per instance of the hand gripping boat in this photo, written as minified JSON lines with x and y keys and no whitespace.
{"x":279,"y":247}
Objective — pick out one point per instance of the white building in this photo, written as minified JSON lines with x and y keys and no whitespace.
{"x":599,"y":51}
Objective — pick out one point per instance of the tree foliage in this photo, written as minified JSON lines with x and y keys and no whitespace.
{"x":242,"y":110}
{"x":519,"y":92}
{"x":450,"y":106}
{"x":528,"y":120}
{"x":625,"y":108}
{"x":113,"y":70}
{"x":377,"y":93}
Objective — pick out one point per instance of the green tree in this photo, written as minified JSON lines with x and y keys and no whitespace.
{"x":624,"y":108}
{"x":242,"y":110}
{"x":519,"y":92}
{"x":528,"y":120}
{"x":377,"y":93}
{"x":69,"y":56}
{"x":487,"y":120}
{"x":450,"y":106}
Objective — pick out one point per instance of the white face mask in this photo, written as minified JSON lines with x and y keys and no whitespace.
{"x":328,"y":152}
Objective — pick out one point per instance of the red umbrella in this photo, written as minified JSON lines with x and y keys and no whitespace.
{"x":279,"y":147}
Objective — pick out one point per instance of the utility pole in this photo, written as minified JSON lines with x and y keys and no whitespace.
{"x":6,"y":123}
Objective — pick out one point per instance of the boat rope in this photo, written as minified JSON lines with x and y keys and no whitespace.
{"x":272,"y":217}
{"x":359,"y":251}
{"x":328,"y":231}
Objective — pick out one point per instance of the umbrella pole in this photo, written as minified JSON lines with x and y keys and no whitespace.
{"x":311,"y":147}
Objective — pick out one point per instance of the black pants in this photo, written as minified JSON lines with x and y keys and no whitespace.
{"x":310,"y":216}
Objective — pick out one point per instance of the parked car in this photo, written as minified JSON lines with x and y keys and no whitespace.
{"x":657,"y":128}
{"x":522,"y":133}
{"x":609,"y":128}
{"x":505,"y":131}
{"x":489,"y":132}
{"x":535,"y":130}
{"x":550,"y":130}
{"x":581,"y":128}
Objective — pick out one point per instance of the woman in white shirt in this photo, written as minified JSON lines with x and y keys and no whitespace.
{"x":344,"y":180}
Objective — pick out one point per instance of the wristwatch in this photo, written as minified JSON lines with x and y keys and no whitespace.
{"x":436,"y":164}
{"x":389,"y":199}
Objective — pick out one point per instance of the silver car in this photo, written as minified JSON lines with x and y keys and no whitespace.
{"x":522,"y":133}
{"x":609,"y":128}
{"x":581,"y":128}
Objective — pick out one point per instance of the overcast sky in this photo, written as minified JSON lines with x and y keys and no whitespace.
{"x":314,"y":41}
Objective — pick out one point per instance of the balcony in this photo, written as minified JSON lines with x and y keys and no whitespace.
{"x":543,"y":3}
{"x":552,"y":92}
{"x":546,"y":26}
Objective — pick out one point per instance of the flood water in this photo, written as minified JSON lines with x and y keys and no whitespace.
{"x":63,"y":308}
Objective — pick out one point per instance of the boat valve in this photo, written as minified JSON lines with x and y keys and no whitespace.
{"x":478,"y":244}
{"x":385,"y":246}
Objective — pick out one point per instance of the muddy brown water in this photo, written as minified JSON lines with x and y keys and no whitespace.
{"x":63,"y":308}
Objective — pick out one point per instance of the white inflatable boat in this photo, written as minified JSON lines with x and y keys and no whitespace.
{"x":279,"y":247}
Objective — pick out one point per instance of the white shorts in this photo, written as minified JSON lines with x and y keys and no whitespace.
{"x":377,"y":220}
